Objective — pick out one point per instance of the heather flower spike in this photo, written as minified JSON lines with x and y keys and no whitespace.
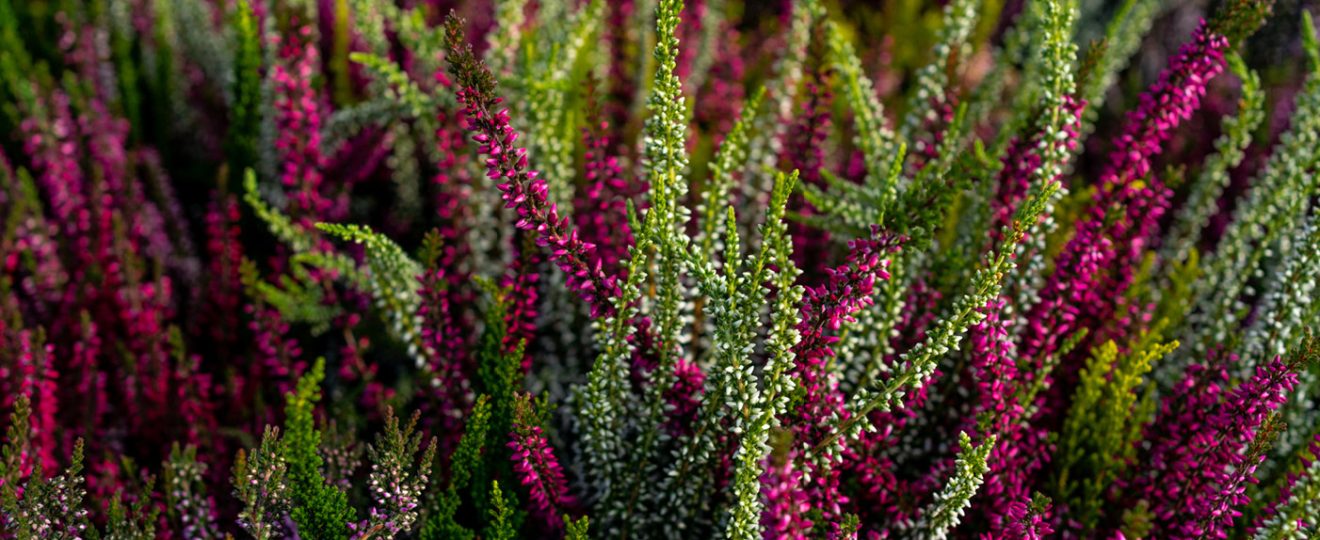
{"x":658,"y":269}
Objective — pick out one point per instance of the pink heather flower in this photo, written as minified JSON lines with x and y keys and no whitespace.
{"x":453,"y":186}
{"x":825,"y":308}
{"x":994,"y":367}
{"x":224,"y":286}
{"x":1019,"y":453}
{"x":446,"y":334}
{"x":602,"y":215}
{"x":52,"y":144}
{"x":527,"y":194}
{"x":721,"y":97}
{"x":684,"y":397}
{"x":804,"y":151}
{"x":1021,"y":161}
{"x":691,"y":25}
{"x":1198,"y":441}
{"x":537,"y":468}
{"x":619,"y":34}
{"x":298,"y":124}
{"x":1027,"y":521}
{"x":786,"y":504}
{"x":277,"y":360}
{"x":524,"y":293}
{"x":192,"y":400}
{"x":37,"y":380}
{"x":89,"y":385}
{"x":1096,"y":267}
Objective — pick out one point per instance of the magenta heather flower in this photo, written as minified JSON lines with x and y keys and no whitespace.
{"x":224,"y":281}
{"x":825,"y":308}
{"x":1097,"y":265}
{"x":298,"y":124}
{"x":1021,"y":161}
{"x":522,"y":190}
{"x":804,"y":151}
{"x":1028,"y":521}
{"x":1020,"y":447}
{"x":720,"y":97}
{"x":278,"y":360}
{"x":37,"y":380}
{"x":537,"y":468}
{"x":786,"y":504}
{"x":521,"y":281}
{"x":53,"y":148}
{"x":447,"y":334}
{"x":602,"y":215}
{"x":684,"y":397}
{"x":1199,"y":441}
{"x":620,"y":37}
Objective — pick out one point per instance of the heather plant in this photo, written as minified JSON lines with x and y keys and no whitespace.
{"x":372,"y":269}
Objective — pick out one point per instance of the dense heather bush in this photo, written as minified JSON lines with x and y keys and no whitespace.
{"x":639,"y":269}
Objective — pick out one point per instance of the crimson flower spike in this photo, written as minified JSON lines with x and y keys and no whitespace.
{"x":521,"y":189}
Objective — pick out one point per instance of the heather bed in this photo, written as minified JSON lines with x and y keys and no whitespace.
{"x":653,"y":268}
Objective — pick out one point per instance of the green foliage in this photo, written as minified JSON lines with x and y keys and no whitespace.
{"x":279,"y":224}
{"x":16,"y":447}
{"x":919,"y":362}
{"x":504,"y":41}
{"x":135,"y":519}
{"x":552,"y":132}
{"x":1101,"y":429}
{"x":877,"y":142}
{"x":499,"y":380}
{"x":245,"y":91}
{"x":441,"y":521}
{"x":770,"y":125}
{"x":1122,"y":38}
{"x":1273,"y":209}
{"x":501,"y":526}
{"x":950,"y":51}
{"x":576,"y":529}
{"x":399,"y":88}
{"x":319,"y":509}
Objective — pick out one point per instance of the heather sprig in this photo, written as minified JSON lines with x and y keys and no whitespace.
{"x":952,"y":501}
{"x":192,"y":511}
{"x":261,"y":484}
{"x":393,"y":281}
{"x":50,"y":507}
{"x":536,"y":466}
{"x":441,"y":516}
{"x":918,"y":364}
{"x":318,"y":508}
{"x":398,"y":479}
{"x":1100,"y":432}
{"x":1297,"y":511}
{"x":523,"y":190}
{"x":876,"y":140}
